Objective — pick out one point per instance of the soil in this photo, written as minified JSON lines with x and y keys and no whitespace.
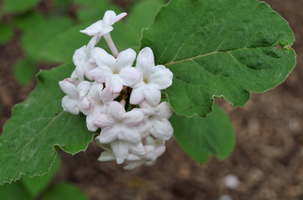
{"x":267,"y":158}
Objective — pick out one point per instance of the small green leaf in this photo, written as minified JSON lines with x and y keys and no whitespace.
{"x":18,"y":5}
{"x":6,"y":33}
{"x":34,"y":39}
{"x":72,"y":39}
{"x":63,"y":191}
{"x":25,"y":71}
{"x":219,"y":48}
{"x":204,"y":137}
{"x":143,"y":14}
{"x":14,"y":191}
{"x":38,"y":127}
{"x":37,"y":184}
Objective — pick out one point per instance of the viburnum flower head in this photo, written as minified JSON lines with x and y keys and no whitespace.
{"x":153,"y":79}
{"x":122,"y":100}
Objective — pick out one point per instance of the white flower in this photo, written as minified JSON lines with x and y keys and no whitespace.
{"x":99,"y":100}
{"x":157,"y":120}
{"x":104,"y":26}
{"x":83,"y":60}
{"x":153,"y":79}
{"x":75,"y":99}
{"x":119,"y":124}
{"x":115,"y":72}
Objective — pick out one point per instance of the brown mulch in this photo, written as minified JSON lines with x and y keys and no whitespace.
{"x":267,"y":158}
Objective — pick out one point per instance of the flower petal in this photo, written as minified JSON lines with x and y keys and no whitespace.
{"x":116,"y":110}
{"x":162,"y":129}
{"x":69,"y":89}
{"x":83,"y":88}
{"x":113,"y":81}
{"x":106,"y":156}
{"x":132,"y":157}
{"x":79,"y":57}
{"x":137,"y":149}
{"x":102,"y":58}
{"x":145,"y":61}
{"x":133,"y":118}
{"x":120,"y":150}
{"x":129,"y":134}
{"x":137,"y":95}
{"x":120,"y":16}
{"x":94,"y":28}
{"x":160,"y":150}
{"x":103,"y":120}
{"x":109,"y":134}
{"x":70,"y":104}
{"x":129,"y":76}
{"x":149,"y":153}
{"x":88,"y":66}
{"x":152,"y":95}
{"x":164,"y":110}
{"x":109,"y":18}
{"x":99,"y":74}
{"x":133,"y":165}
{"x":162,"y":77}
{"x":126,"y":58}
{"x":96,"y":91}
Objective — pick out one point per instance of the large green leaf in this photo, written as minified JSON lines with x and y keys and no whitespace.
{"x":39,"y":127}
{"x":18,"y":5}
{"x":219,"y":48}
{"x":204,"y":137}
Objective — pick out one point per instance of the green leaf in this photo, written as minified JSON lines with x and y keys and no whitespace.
{"x":25,"y":71}
{"x":143,"y":14}
{"x":37,"y":184}
{"x":72,"y":39}
{"x":39,"y":127}
{"x":18,"y":5}
{"x":34,"y":39}
{"x":219,"y":48}
{"x":29,"y":21}
{"x":204,"y":137}
{"x":14,"y":191}
{"x":6,"y":33}
{"x":63,"y":191}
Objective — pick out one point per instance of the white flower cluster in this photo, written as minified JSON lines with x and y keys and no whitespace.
{"x":122,"y":100}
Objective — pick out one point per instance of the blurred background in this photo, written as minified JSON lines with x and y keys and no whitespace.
{"x":266,"y":164}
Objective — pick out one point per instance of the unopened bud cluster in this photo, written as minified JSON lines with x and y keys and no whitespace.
{"x":121,"y":99}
